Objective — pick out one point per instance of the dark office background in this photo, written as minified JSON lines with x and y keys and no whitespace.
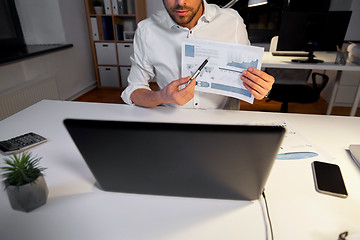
{"x":263,"y":22}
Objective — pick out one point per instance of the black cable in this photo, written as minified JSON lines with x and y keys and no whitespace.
{"x":268,"y":215}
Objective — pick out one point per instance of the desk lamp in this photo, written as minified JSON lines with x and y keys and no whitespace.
{"x":251,"y":3}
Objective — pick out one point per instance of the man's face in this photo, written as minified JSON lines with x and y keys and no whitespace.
{"x":186,"y":13}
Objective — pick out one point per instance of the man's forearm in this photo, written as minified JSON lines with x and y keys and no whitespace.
{"x":170,"y":94}
{"x":146,"y":98}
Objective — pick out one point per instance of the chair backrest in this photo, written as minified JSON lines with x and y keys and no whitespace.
{"x":290,"y":76}
{"x":273,"y":44}
{"x":287,"y":76}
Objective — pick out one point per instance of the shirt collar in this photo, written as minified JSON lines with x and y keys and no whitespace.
{"x":209,"y":11}
{"x":208,"y":15}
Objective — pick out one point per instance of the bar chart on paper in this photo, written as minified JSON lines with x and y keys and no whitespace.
{"x":226,"y":63}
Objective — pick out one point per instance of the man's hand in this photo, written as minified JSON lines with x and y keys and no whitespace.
{"x":172,"y":95}
{"x":168,"y":95}
{"x":257,"y":82}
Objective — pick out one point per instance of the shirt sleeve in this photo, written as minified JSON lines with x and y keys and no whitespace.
{"x":242,"y":33}
{"x":141,"y":71}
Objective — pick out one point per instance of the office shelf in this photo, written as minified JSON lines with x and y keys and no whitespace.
{"x":111,"y":34}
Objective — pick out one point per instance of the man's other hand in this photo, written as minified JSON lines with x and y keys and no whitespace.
{"x":257,"y":82}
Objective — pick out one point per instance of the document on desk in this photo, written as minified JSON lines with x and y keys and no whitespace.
{"x":295,"y":146}
{"x":222,"y":73}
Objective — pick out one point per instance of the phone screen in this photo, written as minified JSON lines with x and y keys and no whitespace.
{"x":328,"y":179}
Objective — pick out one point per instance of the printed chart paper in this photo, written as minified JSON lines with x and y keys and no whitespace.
{"x":222,"y":73}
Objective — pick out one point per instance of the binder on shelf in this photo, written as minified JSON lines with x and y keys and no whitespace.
{"x":130,"y":4}
{"x":115,"y":7}
{"x":119,"y":32}
{"x":107,"y":28}
{"x":120,"y":5}
{"x":94,"y":28}
{"x":107,"y":6}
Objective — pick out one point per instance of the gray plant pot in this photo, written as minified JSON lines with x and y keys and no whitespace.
{"x":99,"y":9}
{"x":29,"y":196}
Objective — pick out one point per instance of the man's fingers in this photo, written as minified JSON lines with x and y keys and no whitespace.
{"x":261,"y":74}
{"x":183,"y":80}
{"x":252,"y":81}
{"x":178,"y":95}
{"x":257,"y":95}
{"x":191,"y":83}
{"x":257,"y":82}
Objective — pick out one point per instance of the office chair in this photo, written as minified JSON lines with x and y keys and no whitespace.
{"x":291,"y":85}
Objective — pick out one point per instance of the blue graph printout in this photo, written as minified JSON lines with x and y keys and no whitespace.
{"x":221,"y":75}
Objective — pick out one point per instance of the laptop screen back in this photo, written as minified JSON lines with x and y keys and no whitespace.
{"x":173,"y":159}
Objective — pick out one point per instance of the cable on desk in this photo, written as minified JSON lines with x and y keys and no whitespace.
{"x":268,"y":215}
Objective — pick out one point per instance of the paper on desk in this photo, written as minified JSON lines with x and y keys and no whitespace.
{"x":226,"y":62}
{"x":295,"y":142}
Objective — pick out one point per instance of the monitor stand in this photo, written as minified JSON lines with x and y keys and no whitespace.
{"x":311,"y":55}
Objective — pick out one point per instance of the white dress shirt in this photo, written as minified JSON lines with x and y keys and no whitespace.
{"x":157,"y":50}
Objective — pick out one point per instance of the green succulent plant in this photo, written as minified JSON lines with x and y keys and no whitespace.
{"x":21,"y":169}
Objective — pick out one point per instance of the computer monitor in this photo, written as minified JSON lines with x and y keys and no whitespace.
{"x":312,"y":31}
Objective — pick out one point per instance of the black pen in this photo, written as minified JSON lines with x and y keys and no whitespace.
{"x":198,"y":70}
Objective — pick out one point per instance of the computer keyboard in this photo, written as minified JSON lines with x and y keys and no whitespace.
{"x":21,"y":143}
{"x":290,"y":54}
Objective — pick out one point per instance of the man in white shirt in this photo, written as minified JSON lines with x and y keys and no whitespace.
{"x":157,"y":55}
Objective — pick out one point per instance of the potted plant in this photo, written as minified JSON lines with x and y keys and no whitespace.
{"x":24,"y":182}
{"x":98,"y":7}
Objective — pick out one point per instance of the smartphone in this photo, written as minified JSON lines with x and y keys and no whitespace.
{"x":328,"y":179}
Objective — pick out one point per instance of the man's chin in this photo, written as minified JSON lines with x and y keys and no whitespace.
{"x":182,"y":20}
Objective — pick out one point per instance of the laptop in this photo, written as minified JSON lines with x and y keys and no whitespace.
{"x":178,"y":159}
{"x":355,"y":153}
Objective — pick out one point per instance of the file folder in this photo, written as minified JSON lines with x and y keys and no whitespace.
{"x":107,"y":6}
{"x":130,"y":6}
{"x":107,"y":28}
{"x":121,"y":6}
{"x":94,"y":28}
{"x":115,"y":7}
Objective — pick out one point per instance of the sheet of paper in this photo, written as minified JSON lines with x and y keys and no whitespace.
{"x":295,"y":142}
{"x":222,"y":73}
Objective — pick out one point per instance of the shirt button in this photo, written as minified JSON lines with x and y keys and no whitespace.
{"x":190,"y":32}
{"x":196,"y":104}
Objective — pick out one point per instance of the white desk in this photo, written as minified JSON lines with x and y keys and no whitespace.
{"x":328,"y":64}
{"x":78,"y":210}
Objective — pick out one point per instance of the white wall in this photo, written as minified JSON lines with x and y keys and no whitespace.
{"x":47,"y":22}
{"x":40,"y":21}
{"x":353,"y":33}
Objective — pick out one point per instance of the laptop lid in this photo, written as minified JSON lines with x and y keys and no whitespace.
{"x":175,"y":159}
